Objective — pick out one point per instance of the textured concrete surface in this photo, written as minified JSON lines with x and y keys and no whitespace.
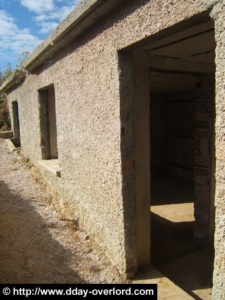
{"x":86,"y":78}
{"x":6,"y":134}
{"x":191,"y":273}
{"x":85,"y":15}
{"x":166,"y":288}
{"x":173,"y":251}
{"x":218,"y":14}
{"x":11,"y":146}
{"x":51,"y":165}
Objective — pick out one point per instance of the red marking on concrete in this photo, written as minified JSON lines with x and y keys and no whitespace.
{"x":127,"y":166}
{"x":123,"y":103}
{"x":43,"y":144}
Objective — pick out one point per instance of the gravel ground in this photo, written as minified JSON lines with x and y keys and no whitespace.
{"x":38,"y":244}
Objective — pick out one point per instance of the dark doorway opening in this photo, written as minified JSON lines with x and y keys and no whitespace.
{"x":48,"y":123}
{"x":172,"y":175}
{"x":167,"y":90}
{"x":182,"y":160}
{"x":16,"y":124}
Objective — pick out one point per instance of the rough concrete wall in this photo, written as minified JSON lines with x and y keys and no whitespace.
{"x":87,"y":92}
{"x":218,"y":13}
{"x":27,"y":97}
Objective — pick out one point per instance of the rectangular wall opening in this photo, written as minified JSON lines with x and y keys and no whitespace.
{"x":172,"y":175}
{"x":173,"y":94}
{"x":48,"y":128}
{"x":181,"y":150}
{"x":16,"y":124}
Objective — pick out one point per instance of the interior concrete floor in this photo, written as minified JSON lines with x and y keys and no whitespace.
{"x":173,"y":252}
{"x":192,"y":273}
{"x":171,"y":238}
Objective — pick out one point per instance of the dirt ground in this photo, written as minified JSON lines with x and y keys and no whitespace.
{"x":37,"y":243}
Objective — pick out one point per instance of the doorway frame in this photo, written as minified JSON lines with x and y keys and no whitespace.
{"x":134,"y":64}
{"x":16,"y":124}
{"x":46,"y":138}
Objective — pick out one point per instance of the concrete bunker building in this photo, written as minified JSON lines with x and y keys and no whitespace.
{"x":122,"y":108}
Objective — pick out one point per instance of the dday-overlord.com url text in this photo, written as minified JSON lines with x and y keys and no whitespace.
{"x":78,"y":291}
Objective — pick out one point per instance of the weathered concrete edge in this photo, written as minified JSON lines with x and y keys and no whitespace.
{"x":42,"y":164}
{"x":13,"y":79}
{"x":10,"y":145}
{"x":61,"y":29}
{"x":6,"y":134}
{"x":82,"y":17}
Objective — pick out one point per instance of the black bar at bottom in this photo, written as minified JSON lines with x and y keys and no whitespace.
{"x":79,"y":290}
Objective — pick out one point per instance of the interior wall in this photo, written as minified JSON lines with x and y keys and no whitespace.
{"x":172,"y":134}
{"x":158,"y":134}
{"x":182,"y":145}
{"x":204,"y":159}
{"x":180,"y":134}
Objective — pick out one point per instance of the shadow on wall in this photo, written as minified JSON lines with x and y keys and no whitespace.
{"x":28,"y":252}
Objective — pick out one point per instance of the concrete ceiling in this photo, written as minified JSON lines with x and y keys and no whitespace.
{"x":176,"y":61}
